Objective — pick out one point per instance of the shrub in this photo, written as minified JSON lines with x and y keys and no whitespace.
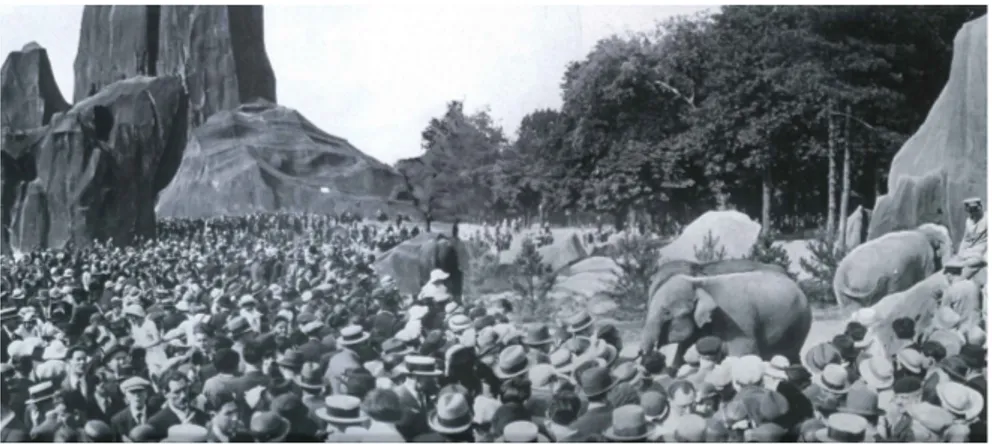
{"x":766,"y":252}
{"x":532,"y":281}
{"x":638,"y":258}
{"x":711,"y":249}
{"x":822,"y":267}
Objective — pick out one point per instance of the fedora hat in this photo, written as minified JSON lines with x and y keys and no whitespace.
{"x":292,"y":359}
{"x":709,"y":347}
{"x":861,"y":401}
{"x":537,"y":334}
{"x":269,"y":427}
{"x":655,"y":405}
{"x":819,"y":356}
{"x":833,"y":379}
{"x":596,"y":381}
{"x":955,"y":368}
{"x":521,"y":431}
{"x":310,"y":376}
{"x":581,"y":347}
{"x":453,"y":414}
{"x":930,"y":417}
{"x":342,"y":409}
{"x":776,"y":367}
{"x":974,"y":356}
{"x":395,"y":346}
{"x":352,"y":335}
{"x":629,"y":424}
{"x":579,"y":322}
{"x":513,"y":361}
{"x":421,"y":366}
{"x":186,"y":433}
{"x":877,"y":372}
{"x":843,"y":427}
{"x":237,"y":326}
{"x":960,"y":399}
{"x":626,"y":372}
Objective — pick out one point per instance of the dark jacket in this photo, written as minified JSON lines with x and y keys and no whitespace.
{"x":594,"y":421}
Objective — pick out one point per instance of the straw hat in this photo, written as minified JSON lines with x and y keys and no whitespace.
{"x":833,"y":379}
{"x":960,"y":399}
{"x":861,"y":401}
{"x":352,"y":335}
{"x":341,"y":409}
{"x":513,"y":361}
{"x":522,"y":431}
{"x":877,"y":371}
{"x":186,"y":433}
{"x":844,"y":427}
{"x":420,"y":366}
{"x":776,"y":367}
{"x":748,"y":370}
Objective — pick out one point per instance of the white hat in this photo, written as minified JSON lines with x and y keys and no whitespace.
{"x":748,"y":370}
{"x":16,"y":348}
{"x":866,"y":316}
{"x":960,"y":399}
{"x":306,"y":296}
{"x":776,"y":367}
{"x":438,"y":274}
{"x":56,"y":351}
{"x":247,"y":300}
{"x":418,"y":312}
{"x":353,"y":334}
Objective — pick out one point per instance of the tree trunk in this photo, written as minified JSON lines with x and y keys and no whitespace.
{"x":845,"y":193}
{"x":831,"y":174}
{"x":766,"y":200}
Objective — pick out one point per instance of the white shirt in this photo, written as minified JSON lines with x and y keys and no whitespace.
{"x":974,"y":243}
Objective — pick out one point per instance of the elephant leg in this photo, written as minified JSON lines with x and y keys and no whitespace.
{"x":742,"y":345}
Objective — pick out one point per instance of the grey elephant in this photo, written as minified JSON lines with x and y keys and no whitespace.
{"x":889,"y":264}
{"x":715,"y":268}
{"x":761,"y":312}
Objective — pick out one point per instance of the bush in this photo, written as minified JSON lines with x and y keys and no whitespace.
{"x":638,"y":257}
{"x":822,"y":267}
{"x":532,"y":281}
{"x":766,"y":252}
{"x":711,"y":250}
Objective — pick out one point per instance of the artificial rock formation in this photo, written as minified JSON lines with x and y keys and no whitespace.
{"x":100,"y":164}
{"x":30,"y":99}
{"x":946,"y":160}
{"x":263,"y":157}
{"x":218,"y":51}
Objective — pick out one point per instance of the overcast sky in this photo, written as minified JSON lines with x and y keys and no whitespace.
{"x":375,"y":75}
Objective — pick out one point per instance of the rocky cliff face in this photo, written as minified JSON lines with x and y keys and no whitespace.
{"x":100,"y":165}
{"x":218,"y":51}
{"x":30,"y":99}
{"x":263,"y":157}
{"x":946,"y":160}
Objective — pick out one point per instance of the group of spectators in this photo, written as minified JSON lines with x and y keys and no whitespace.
{"x":271,"y":328}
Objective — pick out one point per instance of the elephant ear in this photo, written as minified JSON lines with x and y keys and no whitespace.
{"x":705,"y":304}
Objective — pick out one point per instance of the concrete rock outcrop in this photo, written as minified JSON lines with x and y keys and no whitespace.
{"x":946,"y":160}
{"x":263,"y":157}
{"x":100,"y":165}
{"x":30,"y":99}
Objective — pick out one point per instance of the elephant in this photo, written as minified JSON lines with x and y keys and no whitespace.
{"x":715,"y":268}
{"x":411,"y":262}
{"x":761,"y":312}
{"x":890,"y":264}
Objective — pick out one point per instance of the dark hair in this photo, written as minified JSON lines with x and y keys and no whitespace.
{"x":856,"y":331}
{"x":515,"y":390}
{"x":934,"y":350}
{"x":253,"y":354}
{"x":226,"y":361}
{"x":564,"y":407}
{"x":214,"y":403}
{"x":904,"y":328}
{"x":653,"y":362}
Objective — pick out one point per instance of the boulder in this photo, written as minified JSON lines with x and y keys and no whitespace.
{"x":115,"y":42}
{"x":262,"y":157}
{"x":101,"y":164}
{"x":946,"y":160}
{"x":565,"y":250}
{"x":30,"y":99}
{"x":220,"y":52}
{"x":733,"y":230}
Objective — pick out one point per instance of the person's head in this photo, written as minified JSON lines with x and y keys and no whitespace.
{"x":77,"y":359}
{"x":226,"y":361}
{"x":118,"y":361}
{"x":177,"y":391}
{"x":226,"y":413}
{"x":253,"y":356}
{"x":136,"y":397}
{"x":515,"y":390}
{"x":682,"y":397}
{"x":564,"y":408}
{"x":974,"y":208}
{"x":904,"y":328}
{"x":934,"y":351}
{"x":383,"y":406}
{"x":654,"y":363}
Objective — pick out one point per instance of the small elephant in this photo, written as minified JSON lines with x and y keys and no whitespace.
{"x":755,"y":312}
{"x":890,"y":263}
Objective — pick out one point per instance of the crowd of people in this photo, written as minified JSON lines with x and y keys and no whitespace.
{"x":272,"y":328}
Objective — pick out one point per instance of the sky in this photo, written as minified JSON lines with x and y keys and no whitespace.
{"x":376,"y":75}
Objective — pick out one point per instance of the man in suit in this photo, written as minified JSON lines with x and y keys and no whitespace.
{"x":79,"y":383}
{"x":253,"y":376}
{"x":596,"y":383}
{"x":177,"y":409}
{"x":138,"y":409}
{"x":227,"y":362}
{"x":106,"y":401}
{"x":413,"y":399}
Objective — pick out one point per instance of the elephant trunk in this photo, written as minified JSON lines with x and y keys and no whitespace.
{"x":655,"y":334}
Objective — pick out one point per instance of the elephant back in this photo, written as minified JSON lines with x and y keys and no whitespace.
{"x":715,"y":268}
